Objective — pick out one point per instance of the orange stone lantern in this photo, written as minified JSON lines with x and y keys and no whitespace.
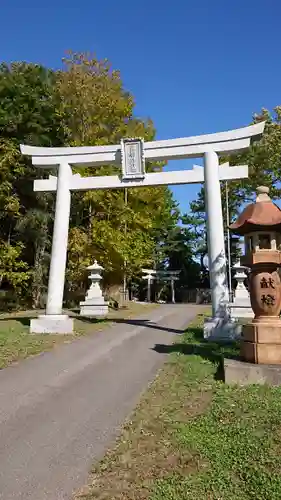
{"x":260,"y":224}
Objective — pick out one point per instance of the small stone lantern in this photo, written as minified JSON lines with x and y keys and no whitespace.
{"x":260,"y":224}
{"x":94,"y":304}
{"x":241,"y":306}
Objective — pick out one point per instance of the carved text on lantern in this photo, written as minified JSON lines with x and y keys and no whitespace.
{"x":267,"y":283}
{"x":268,"y":300}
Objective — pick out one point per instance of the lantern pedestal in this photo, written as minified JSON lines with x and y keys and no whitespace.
{"x":93,"y":309}
{"x":261,"y":339}
{"x":261,"y":342}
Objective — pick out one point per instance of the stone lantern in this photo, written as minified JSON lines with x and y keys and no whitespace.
{"x":241,"y":306}
{"x":260,"y":224}
{"x":94,"y":304}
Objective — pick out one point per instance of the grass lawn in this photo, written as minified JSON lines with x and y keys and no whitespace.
{"x":194,"y":437}
{"x":17,"y":343}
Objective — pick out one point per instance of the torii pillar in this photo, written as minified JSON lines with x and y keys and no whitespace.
{"x":220,"y":324}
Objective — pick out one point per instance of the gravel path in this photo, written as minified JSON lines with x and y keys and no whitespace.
{"x":62,"y":410}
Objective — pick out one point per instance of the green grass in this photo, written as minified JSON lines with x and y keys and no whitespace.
{"x":17,"y":343}
{"x":194,"y":437}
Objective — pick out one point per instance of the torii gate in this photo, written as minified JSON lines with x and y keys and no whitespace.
{"x":131,"y":154}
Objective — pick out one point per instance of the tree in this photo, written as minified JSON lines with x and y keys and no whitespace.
{"x":264,"y":161}
{"x":33,"y":227}
{"x":13,"y":270}
{"x":95,"y":109}
{"x":27,"y":115}
{"x":181,"y":257}
{"x":27,"y":112}
{"x":84,"y":103}
{"x":263,"y":158}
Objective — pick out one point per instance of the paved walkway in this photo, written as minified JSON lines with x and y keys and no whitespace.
{"x":61,"y":410}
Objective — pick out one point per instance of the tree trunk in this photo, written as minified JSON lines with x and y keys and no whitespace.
{"x":38,"y":275}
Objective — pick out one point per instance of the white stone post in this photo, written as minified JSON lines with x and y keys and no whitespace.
{"x":216,"y":246}
{"x":218,"y":326}
{"x":173,"y":290}
{"x":149,"y":276}
{"x":149,"y":279}
{"x":54,"y":321}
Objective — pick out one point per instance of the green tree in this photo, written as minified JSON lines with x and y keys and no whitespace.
{"x":33,"y":227}
{"x":263,"y":158}
{"x":264,"y":161}
{"x":27,"y":115}
{"x":95,"y":109}
{"x":13,"y":270}
{"x":85,"y":103}
{"x":27,"y":112}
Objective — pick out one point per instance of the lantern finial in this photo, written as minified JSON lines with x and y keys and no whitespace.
{"x":262,"y":194}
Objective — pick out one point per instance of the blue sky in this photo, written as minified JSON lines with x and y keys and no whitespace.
{"x":193,"y":66}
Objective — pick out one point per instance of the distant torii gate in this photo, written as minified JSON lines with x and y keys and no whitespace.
{"x":131,"y":154}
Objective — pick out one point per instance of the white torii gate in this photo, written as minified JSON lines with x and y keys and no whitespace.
{"x":207,"y":146}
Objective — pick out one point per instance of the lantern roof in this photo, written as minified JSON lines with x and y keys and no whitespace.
{"x":261,"y":215}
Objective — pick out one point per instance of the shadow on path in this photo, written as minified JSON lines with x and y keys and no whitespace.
{"x":145,"y":323}
{"x":197,"y":346}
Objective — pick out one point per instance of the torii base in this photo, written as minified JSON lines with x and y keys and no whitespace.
{"x":52,"y":324}
{"x":221,"y":329}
